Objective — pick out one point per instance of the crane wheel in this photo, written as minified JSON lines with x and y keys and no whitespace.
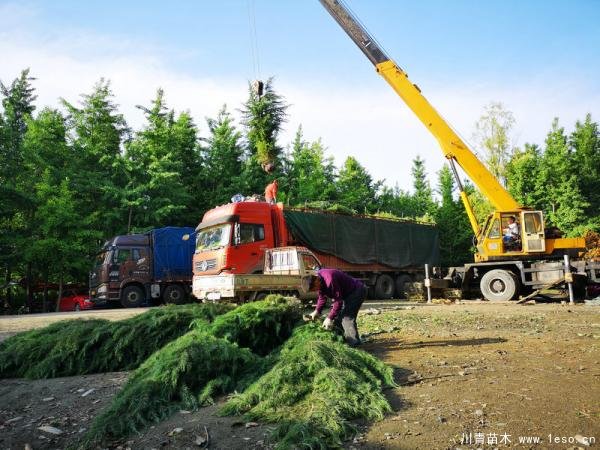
{"x":499,"y":285}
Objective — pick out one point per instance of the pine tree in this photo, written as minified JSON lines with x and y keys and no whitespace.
{"x":585,"y":145}
{"x":396,"y":201}
{"x":62,"y":241}
{"x":310,"y":175}
{"x":16,"y":201}
{"x":263,"y":117}
{"x":222,"y":160}
{"x":523,"y":175}
{"x":563,"y":202}
{"x":453,"y":223}
{"x":156,"y":194}
{"x":355,"y":187}
{"x":423,"y":200}
{"x":96,"y":132}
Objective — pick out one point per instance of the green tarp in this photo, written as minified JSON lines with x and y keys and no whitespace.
{"x":364,"y":240}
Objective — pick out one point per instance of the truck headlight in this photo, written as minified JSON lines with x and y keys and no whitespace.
{"x":102,"y":288}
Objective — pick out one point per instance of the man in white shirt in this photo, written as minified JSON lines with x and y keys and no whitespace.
{"x":511,"y":232}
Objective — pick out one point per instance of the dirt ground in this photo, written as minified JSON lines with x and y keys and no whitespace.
{"x":470,"y":375}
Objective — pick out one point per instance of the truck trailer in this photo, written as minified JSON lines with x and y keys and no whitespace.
{"x":134,"y":268}
{"x":384,"y":253}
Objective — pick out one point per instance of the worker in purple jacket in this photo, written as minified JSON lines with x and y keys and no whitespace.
{"x":347,"y":296}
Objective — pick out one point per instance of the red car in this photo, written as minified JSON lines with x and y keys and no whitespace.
{"x":75,"y":300}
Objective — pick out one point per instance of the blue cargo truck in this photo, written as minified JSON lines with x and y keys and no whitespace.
{"x":135,"y":269}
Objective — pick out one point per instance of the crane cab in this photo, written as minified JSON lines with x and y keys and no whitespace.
{"x":511,"y":234}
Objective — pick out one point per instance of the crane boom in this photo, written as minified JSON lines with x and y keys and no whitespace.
{"x":453,"y":147}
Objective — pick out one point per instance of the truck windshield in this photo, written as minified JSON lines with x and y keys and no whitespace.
{"x":213,"y":237}
{"x":100,"y":258}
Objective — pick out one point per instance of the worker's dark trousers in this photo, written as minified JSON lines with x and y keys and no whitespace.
{"x":347,"y":316}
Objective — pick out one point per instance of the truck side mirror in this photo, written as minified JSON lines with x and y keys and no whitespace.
{"x":236,"y":234}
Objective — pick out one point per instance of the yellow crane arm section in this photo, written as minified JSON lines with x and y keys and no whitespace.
{"x":452,"y":145}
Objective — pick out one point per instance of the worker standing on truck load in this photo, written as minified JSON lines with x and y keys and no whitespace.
{"x":271,"y":192}
{"x":347,"y":296}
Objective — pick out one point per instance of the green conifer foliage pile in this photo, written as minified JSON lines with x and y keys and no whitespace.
{"x":299,"y":376}
{"x":78,"y":347}
{"x":260,"y":326}
{"x":184,"y":374}
{"x":317,"y":385}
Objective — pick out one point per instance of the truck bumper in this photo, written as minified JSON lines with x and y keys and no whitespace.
{"x":213,"y":288}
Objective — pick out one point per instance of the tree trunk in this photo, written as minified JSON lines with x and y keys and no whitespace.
{"x":60,"y":290}
{"x":129,"y":220}
{"x":8,"y":298}
{"x":45,"y":301}
{"x":29,"y":287}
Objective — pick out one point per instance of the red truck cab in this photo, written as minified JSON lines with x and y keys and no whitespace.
{"x":233,"y":238}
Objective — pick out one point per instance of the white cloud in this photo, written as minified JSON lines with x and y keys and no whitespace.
{"x":369,"y":122}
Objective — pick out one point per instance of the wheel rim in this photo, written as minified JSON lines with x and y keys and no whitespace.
{"x":497,"y":286}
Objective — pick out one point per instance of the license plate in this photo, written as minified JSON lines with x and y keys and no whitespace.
{"x":213,"y":296}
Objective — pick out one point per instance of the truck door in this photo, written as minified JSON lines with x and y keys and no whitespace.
{"x":533,"y":231}
{"x":249,"y":247}
{"x":141,"y":263}
{"x":122,"y":259}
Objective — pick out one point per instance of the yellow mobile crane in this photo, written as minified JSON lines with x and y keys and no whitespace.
{"x":504,"y":265}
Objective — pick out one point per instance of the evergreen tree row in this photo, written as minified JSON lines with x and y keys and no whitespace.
{"x":73,"y":177}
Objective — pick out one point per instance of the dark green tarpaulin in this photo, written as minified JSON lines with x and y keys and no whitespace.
{"x":363,"y":240}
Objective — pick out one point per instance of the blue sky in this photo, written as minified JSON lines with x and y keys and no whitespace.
{"x":540,"y":58}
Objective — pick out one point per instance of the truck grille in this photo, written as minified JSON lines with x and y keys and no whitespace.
{"x":208,"y":264}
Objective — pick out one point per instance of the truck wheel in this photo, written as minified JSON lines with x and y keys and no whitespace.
{"x":401,"y":280}
{"x":174,"y":294}
{"x":384,"y":287}
{"x":132,"y":297}
{"x":261,"y":296}
{"x":499,"y":285}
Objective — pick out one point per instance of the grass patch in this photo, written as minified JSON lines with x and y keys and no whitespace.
{"x":78,"y":347}
{"x":313,"y":391}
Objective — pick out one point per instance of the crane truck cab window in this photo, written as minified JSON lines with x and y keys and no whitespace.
{"x":494,"y":229}
{"x":533,"y":223}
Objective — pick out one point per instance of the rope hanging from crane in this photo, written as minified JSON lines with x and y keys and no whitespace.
{"x":257,"y":84}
